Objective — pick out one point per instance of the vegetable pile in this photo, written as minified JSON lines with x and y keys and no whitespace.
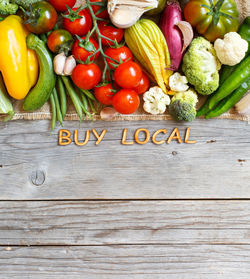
{"x":108,"y":57}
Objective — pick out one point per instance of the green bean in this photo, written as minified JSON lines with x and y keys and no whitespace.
{"x":91,"y":105}
{"x":53,"y":110}
{"x":85,"y":106}
{"x":58,"y":109}
{"x":73,"y":95}
{"x":63,"y":97}
{"x":88,"y":94}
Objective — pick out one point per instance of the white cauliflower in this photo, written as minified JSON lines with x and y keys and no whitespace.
{"x":155,"y":101}
{"x":231,"y":50}
{"x":178,"y":83}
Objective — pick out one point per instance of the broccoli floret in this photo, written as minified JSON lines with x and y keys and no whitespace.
{"x":182,"y":106}
{"x":7,"y":7}
{"x":201,"y":66}
{"x":25,"y":3}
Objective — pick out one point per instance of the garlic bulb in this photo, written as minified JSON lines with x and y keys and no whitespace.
{"x":125,"y":13}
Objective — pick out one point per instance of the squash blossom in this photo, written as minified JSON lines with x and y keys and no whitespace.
{"x":149,"y":46}
{"x":18,"y":64}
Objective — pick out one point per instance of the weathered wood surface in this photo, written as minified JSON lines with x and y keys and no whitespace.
{"x":124,"y":222}
{"x":218,"y":166}
{"x":53,"y":223}
{"x":133,"y":262}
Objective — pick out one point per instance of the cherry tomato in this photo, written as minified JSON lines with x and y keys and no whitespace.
{"x":104,"y":94}
{"x":74,"y":24}
{"x":128,"y":75}
{"x":122,"y":53}
{"x":42,"y":19}
{"x":143,"y":86}
{"x":111,"y":32}
{"x":60,"y":40}
{"x":81,"y":49}
{"x":126,"y":101}
{"x":86,"y":76}
{"x":60,"y":5}
{"x":95,"y":8}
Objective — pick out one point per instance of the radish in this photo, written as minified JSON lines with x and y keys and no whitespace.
{"x":178,"y":33}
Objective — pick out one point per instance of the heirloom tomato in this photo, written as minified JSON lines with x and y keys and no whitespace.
{"x":41,"y":18}
{"x":212,"y":18}
{"x":60,"y":40}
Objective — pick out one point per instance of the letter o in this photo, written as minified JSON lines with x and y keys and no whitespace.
{"x":138,"y":131}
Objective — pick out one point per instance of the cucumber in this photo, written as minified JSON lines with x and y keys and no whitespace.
{"x":40,"y":94}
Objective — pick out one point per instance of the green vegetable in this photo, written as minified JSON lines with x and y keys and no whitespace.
{"x":25,"y":3}
{"x":63,"y":97}
{"x":239,"y":75}
{"x":228,"y":102}
{"x":53,"y":110}
{"x":182,"y":106}
{"x":73,"y":95}
{"x":7,"y":7}
{"x":5,"y":104}
{"x":201,"y":66}
{"x":46,"y":82}
{"x":244,"y":32}
{"x":58,"y":109}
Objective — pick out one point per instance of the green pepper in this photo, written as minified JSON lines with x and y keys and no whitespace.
{"x":227,"y":103}
{"x":239,"y":75}
{"x":5,"y":104}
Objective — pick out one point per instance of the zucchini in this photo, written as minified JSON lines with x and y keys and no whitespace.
{"x":5,"y":104}
{"x":40,"y":94}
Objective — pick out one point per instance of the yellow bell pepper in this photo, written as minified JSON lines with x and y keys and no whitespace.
{"x":18,"y":64}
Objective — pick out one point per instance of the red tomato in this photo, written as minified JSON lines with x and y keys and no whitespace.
{"x":128,"y":75}
{"x":104,"y":94}
{"x":95,"y":8}
{"x":126,"y":101}
{"x":122,"y":53}
{"x":111,"y":32}
{"x":60,"y":40}
{"x":86,"y":76}
{"x":143,"y":86}
{"x":60,"y":5}
{"x":75,"y":25}
{"x":81,"y":50}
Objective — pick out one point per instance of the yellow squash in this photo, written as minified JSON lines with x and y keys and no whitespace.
{"x":149,"y":46}
{"x":18,"y":64}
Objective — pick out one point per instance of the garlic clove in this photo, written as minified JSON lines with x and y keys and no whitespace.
{"x":108,"y":113}
{"x":124,"y":14}
{"x":69,"y":66}
{"x":59,"y":63}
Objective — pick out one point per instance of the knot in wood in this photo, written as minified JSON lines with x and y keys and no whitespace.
{"x":37,"y":177}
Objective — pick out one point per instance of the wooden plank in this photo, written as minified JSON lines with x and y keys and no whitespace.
{"x":131,"y":222}
{"x":136,"y":262}
{"x":218,"y":166}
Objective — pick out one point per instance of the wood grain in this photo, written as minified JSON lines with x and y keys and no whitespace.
{"x":217,"y":166}
{"x":136,"y":262}
{"x":124,"y":222}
